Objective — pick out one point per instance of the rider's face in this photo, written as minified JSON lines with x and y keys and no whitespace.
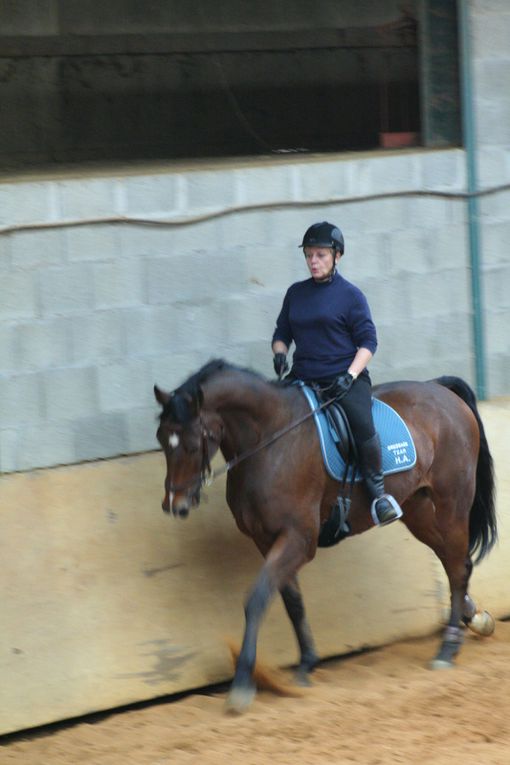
{"x":320,"y":261}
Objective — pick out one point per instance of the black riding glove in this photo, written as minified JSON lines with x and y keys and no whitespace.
{"x":280,"y":364}
{"x":342,"y":385}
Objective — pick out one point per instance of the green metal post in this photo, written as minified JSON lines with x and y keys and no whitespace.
{"x":469,"y":132}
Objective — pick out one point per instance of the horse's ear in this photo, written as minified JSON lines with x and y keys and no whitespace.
{"x":162,"y":397}
{"x":195,"y":401}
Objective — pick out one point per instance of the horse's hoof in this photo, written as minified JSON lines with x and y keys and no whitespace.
{"x":441,"y":664}
{"x":302,"y":679}
{"x":238,"y":700}
{"x":482,"y":623}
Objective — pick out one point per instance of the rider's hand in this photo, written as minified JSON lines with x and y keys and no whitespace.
{"x":342,"y":385}
{"x":280,"y":364}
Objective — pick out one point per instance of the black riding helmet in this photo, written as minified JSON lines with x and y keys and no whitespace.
{"x":324,"y":234}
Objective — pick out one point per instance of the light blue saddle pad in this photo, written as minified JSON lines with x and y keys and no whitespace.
{"x":398,"y":451}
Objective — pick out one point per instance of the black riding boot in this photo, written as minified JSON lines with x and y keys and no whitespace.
{"x":385,"y":508}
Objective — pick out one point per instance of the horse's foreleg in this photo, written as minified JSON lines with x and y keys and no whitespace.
{"x":293,"y":600}
{"x":285,"y":557}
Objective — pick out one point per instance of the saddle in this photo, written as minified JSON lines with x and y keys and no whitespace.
{"x":397,"y":446}
{"x":341,"y":460}
{"x":342,"y":433}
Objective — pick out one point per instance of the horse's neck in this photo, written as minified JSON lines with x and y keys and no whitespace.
{"x":250,"y":409}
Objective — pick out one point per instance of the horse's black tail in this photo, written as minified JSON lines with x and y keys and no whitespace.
{"x":483,"y":532}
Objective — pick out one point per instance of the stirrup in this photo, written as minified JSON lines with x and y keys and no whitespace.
{"x":392,"y":513}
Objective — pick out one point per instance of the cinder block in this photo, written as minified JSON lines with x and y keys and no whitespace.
{"x":489,"y":7}
{"x":200,"y":237}
{"x":385,"y":174}
{"x":498,"y":374}
{"x":325,"y":180}
{"x":252,"y":316}
{"x":205,"y":325}
{"x":425,"y":212}
{"x":84,"y":198}
{"x":263,"y":271}
{"x":209,"y":189}
{"x":24,"y":203}
{"x":495,"y":242}
{"x":367,"y":255}
{"x":497,"y":336}
{"x":100,"y":242}
{"x":496,"y":121}
{"x":373,"y":215}
{"x":496,"y":286}
{"x":443,"y":170}
{"x":42,"y":344}
{"x":71,"y":393}
{"x":446,"y":247}
{"x":260,"y":185}
{"x":66,"y":290}
{"x":170,"y":370}
{"x":120,"y":283}
{"x":124,"y":386}
{"x":20,"y":400}
{"x":150,"y":194}
{"x":492,"y":72}
{"x":207,"y":276}
{"x":141,"y":427}
{"x":37,"y":248}
{"x":99,"y":335}
{"x":37,"y":446}
{"x":492,"y":171}
{"x":438,"y":293}
{"x":141,"y":241}
{"x":105,"y":435}
{"x":9,"y":448}
{"x":283,"y":228}
{"x":8,"y":351}
{"x":260,"y":358}
{"x":5,"y":253}
{"x":18,"y":295}
{"x":157,"y":331}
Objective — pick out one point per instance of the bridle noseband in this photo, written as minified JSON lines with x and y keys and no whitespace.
{"x":204,"y":476}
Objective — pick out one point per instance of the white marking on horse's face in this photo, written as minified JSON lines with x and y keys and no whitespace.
{"x":173,"y":440}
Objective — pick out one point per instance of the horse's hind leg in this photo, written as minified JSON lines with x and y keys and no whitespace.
{"x":293,"y":601}
{"x":436,"y":522}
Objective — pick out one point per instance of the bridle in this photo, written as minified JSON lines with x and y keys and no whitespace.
{"x":207,"y":475}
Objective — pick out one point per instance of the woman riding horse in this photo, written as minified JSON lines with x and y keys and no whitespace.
{"x":329,"y":320}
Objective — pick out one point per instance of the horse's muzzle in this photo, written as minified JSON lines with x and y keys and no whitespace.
{"x":179,"y":507}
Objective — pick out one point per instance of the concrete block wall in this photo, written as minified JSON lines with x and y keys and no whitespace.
{"x":490,"y":24}
{"x":92,"y":315}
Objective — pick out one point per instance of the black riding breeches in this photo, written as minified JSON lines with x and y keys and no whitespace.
{"x":357,"y":404}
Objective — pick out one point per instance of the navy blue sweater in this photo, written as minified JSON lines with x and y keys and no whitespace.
{"x":328,"y":322}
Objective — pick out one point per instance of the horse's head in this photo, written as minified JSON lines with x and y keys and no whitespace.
{"x":189,"y":437}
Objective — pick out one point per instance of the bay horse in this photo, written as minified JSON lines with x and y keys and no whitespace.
{"x":280,"y":493}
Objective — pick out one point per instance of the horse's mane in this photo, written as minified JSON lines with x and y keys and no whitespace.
{"x":186,"y":399}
